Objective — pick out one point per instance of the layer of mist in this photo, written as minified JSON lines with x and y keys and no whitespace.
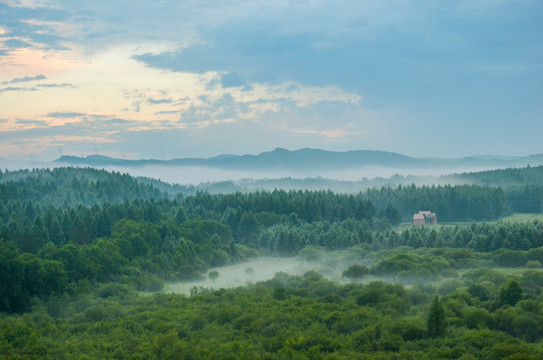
{"x":196,"y":175}
{"x":204,"y":175}
{"x":329,"y":264}
{"x":243,"y":274}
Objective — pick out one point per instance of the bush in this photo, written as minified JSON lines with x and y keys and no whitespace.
{"x":533,"y":264}
{"x":356,"y":272}
{"x":188,"y":272}
{"x":279,"y":293}
{"x":478,"y":318}
{"x":479,"y":291}
{"x":509,"y":258}
{"x":409,"y":329}
{"x":213,"y":275}
{"x":510,"y":294}
{"x":448,"y":286}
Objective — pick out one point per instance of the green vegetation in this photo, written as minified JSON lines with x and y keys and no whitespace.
{"x":285,"y":317}
{"x":437,"y":322}
{"x":523,"y":217}
{"x":356,"y":272}
{"x":78,"y":245}
{"x":213,"y":275}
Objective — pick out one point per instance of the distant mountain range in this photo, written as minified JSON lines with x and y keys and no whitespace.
{"x":314,"y":159}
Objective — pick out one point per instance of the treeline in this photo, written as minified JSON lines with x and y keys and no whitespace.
{"x":31,"y":227}
{"x":72,"y":187}
{"x":450,"y":203}
{"x":503,"y":177}
{"x":308,"y":206}
{"x":526,"y":199}
{"x":487,"y":198}
{"x":482,"y":237}
{"x":287,"y":237}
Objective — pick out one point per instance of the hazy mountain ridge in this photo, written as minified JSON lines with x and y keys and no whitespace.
{"x":313,"y":159}
{"x":493,"y":178}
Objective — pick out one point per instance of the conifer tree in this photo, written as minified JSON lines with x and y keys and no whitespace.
{"x":436,"y":319}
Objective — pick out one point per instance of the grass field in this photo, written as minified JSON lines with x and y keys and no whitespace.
{"x":523,"y":217}
{"x":511,"y":218}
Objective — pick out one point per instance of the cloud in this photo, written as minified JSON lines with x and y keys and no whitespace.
{"x":31,"y":4}
{"x":24,"y":79}
{"x":334,"y":133}
{"x":37,"y":87}
{"x":65,"y":85}
{"x":16,"y":88}
{"x":168,"y":112}
{"x":85,"y":125}
{"x":389,"y":53}
{"x":233,"y":79}
{"x":64,"y":115}
{"x":116,"y":121}
{"x":16,"y":43}
{"x":31,"y":122}
{"x":159,"y":101}
{"x":285,"y":73}
{"x":21,"y":32}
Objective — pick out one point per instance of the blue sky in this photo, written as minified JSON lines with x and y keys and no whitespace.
{"x":170,"y":79}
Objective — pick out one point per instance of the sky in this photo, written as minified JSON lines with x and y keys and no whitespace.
{"x":173,"y":79}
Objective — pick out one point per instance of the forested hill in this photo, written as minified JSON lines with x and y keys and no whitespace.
{"x":495,"y":178}
{"x":313,"y":159}
{"x":278,"y":158}
{"x":503,"y":177}
{"x":71,"y":187}
{"x":488,"y":195}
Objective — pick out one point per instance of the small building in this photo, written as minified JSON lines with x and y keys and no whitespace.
{"x":423,"y":218}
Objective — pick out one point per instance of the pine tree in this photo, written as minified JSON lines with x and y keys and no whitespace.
{"x":180,"y":216}
{"x":436,"y":319}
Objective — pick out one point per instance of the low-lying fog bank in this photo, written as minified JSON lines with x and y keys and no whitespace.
{"x":328,"y":264}
{"x":193,"y":175}
{"x":243,"y":273}
{"x":441,"y":270}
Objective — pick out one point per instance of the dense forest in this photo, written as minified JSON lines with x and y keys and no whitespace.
{"x":477,"y":196}
{"x":77,"y":246}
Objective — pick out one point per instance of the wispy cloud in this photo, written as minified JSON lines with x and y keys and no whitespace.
{"x":116,"y":121}
{"x":31,"y":4}
{"x":17,"y":88}
{"x":64,"y":115}
{"x":64,"y":85}
{"x":37,"y":87}
{"x":159,"y":101}
{"x":31,"y":122}
{"x":24,"y":79}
